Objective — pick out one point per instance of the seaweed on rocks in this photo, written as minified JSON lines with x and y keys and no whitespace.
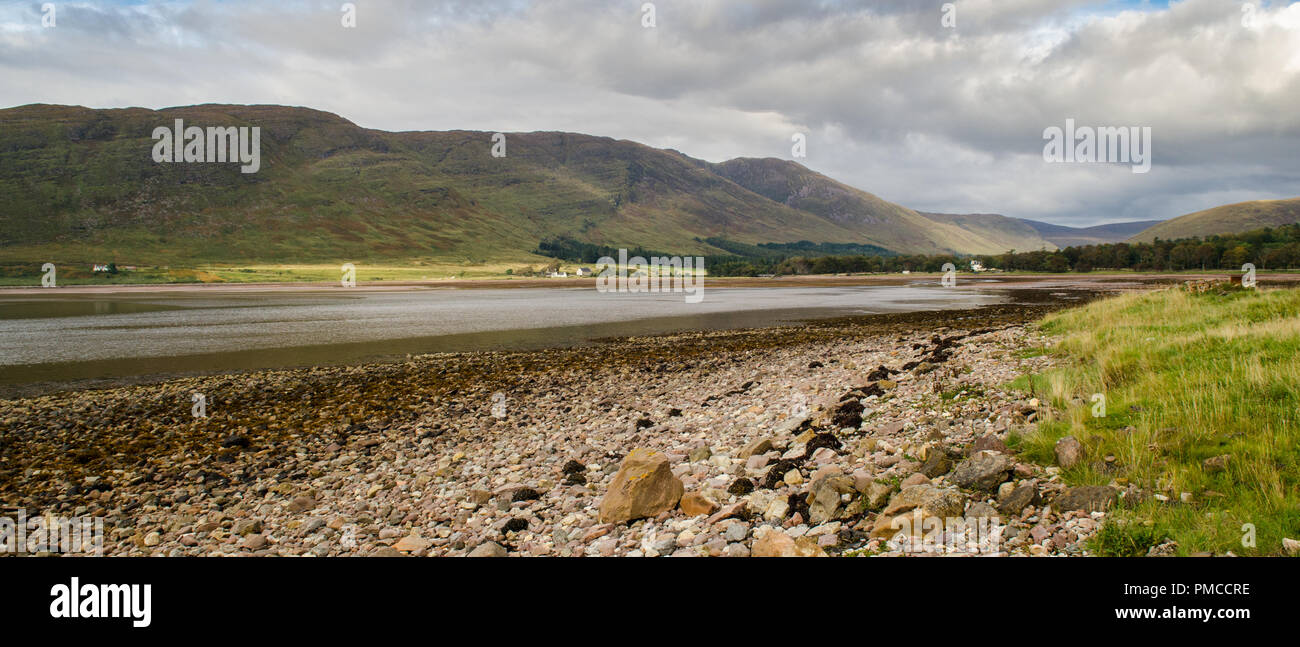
{"x":741,"y":487}
{"x":575,"y":473}
{"x":848,"y":414}
{"x":827,"y":440}
{"x":798,"y":503}
{"x":880,"y":373}
{"x":867,"y":391}
{"x":776,"y":473}
{"x":525,"y":494}
{"x":236,"y":440}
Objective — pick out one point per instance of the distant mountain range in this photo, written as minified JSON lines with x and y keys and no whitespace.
{"x":1095,"y":235}
{"x":80,"y":185}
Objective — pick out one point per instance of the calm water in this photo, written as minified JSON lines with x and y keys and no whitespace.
{"x":65,"y":339}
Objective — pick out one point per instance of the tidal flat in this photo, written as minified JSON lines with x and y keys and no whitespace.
{"x":786,"y":440}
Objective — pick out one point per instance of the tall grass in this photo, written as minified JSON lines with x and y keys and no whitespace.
{"x":1186,"y":377}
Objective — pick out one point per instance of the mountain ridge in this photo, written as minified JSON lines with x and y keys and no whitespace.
{"x":1014,"y":230}
{"x":890,"y":225}
{"x":84,"y":187}
{"x":1065,"y":236}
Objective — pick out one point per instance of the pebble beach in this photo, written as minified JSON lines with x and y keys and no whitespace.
{"x":810,"y":440}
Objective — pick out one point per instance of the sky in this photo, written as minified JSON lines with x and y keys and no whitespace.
{"x":934,"y":107}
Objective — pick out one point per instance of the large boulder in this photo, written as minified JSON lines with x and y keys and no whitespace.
{"x":936,"y":463}
{"x":989,"y":443}
{"x":739,"y":509}
{"x":488,"y":549}
{"x":643,"y":487}
{"x":824,"y":497}
{"x":915,"y":503}
{"x":981,"y":510}
{"x":775,"y":543}
{"x":790,"y":425}
{"x":411,"y":543}
{"x":982,"y":471}
{"x":1017,"y":499}
{"x":695,"y":504}
{"x":877,"y":494}
{"x":1069,"y":451}
{"x":756,"y":447}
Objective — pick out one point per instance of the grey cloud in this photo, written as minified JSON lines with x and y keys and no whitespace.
{"x":937,"y":119}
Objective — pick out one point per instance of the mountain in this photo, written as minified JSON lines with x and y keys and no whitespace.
{"x":81,"y":185}
{"x":1013,"y":231}
{"x":1225,"y":219}
{"x":1064,"y":236}
{"x":1032,"y":235}
{"x":887,"y":224}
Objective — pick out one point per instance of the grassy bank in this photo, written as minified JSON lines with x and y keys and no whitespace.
{"x":1186,"y":378}
{"x":30,"y":275}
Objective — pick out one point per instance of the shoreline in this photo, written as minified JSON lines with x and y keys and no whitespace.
{"x":1018,"y":280}
{"x":29,"y":380}
{"x":409,"y":458}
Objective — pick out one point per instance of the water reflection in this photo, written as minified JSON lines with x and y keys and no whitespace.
{"x":66,"y":339}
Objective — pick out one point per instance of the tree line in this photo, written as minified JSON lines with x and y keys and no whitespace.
{"x":1268,"y":249}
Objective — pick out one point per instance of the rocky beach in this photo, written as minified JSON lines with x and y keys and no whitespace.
{"x":825,"y":438}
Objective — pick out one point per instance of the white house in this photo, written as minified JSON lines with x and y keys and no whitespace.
{"x":583,"y":271}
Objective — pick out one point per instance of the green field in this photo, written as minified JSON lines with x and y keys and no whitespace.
{"x":1186,"y":378}
{"x":30,"y":274}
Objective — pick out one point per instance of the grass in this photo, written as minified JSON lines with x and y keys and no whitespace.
{"x":418,"y":271}
{"x":1185,"y":377}
{"x":29,"y":274}
{"x":1026,"y":353}
{"x":1120,"y":539}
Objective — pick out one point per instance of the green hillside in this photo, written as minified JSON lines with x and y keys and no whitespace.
{"x":81,"y":187}
{"x":1226,"y":219}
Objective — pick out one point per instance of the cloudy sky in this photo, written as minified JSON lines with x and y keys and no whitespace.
{"x":939,"y":115}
